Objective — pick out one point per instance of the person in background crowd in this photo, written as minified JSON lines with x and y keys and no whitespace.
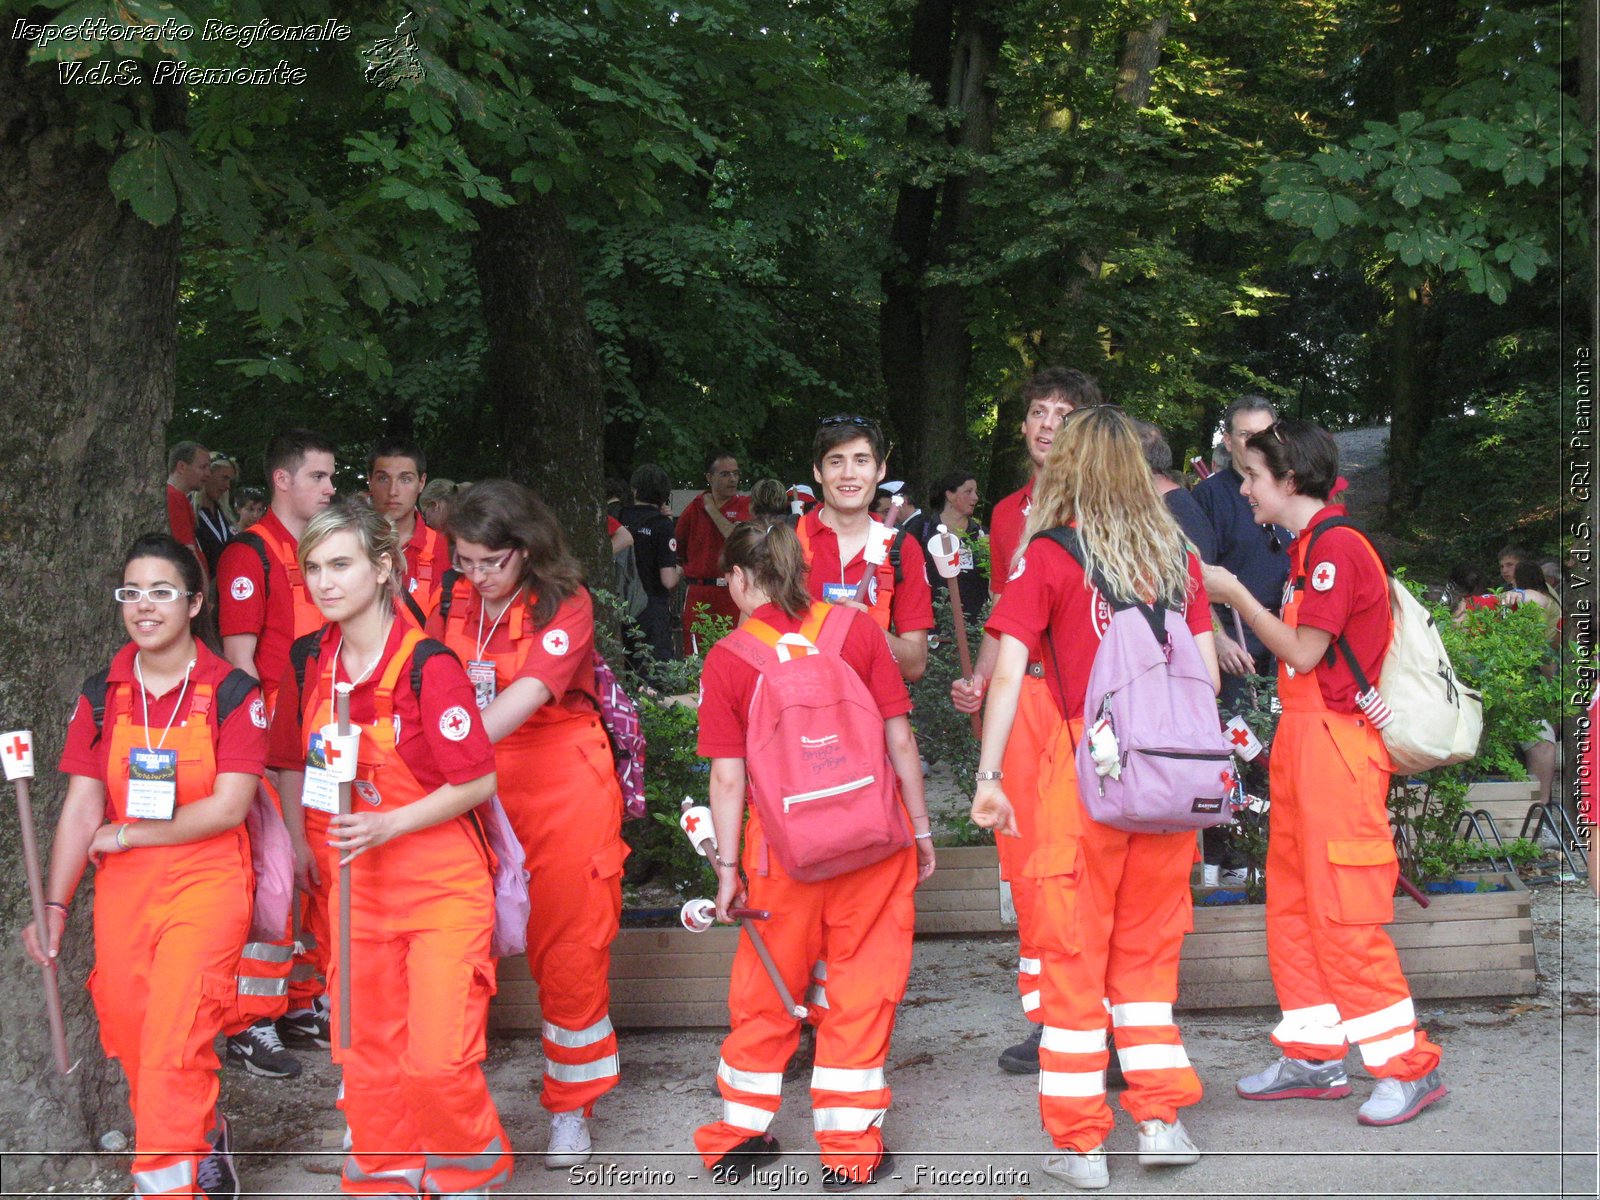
{"x":655,"y":549}
{"x":421,"y":1119}
{"x":1529,"y":587}
{"x":1509,"y":557}
{"x":617,"y":493}
{"x":188,"y":467}
{"x":882,"y":499}
{"x":703,"y":526}
{"x":1467,"y":590}
{"x":769,"y":503}
{"x":861,"y":919}
{"x":1331,"y":865}
{"x":397,"y":474}
{"x":1112,"y":907}
{"x":1183,"y":507}
{"x":435,"y":500}
{"x":1553,"y":582}
{"x":214,"y":523}
{"x":523,"y":622}
{"x":250,"y":505}
{"x":172,"y":885}
{"x":264,"y":608}
{"x":1050,"y":397}
{"x":951,"y":503}
{"x":1252,"y":552}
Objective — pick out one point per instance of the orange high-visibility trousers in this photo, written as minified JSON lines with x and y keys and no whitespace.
{"x":1331,"y":872}
{"x":560,"y":791}
{"x":168,"y":925}
{"x":1112,"y":909}
{"x":861,"y":923}
{"x":1032,"y":731}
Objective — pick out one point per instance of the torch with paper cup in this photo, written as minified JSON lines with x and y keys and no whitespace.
{"x":341,"y":756}
{"x":879,"y":538}
{"x":944,"y":551}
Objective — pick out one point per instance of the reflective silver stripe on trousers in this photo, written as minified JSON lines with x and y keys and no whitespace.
{"x":1375,"y":1053}
{"x":575,"y":1039}
{"x":254,"y":985}
{"x":409,"y":1175}
{"x":1144,"y":1012}
{"x":1072,"y":1041}
{"x":601,"y":1068}
{"x":267,"y":952}
{"x":746,"y":1116}
{"x":491,"y":1154}
{"x":1155,"y":1057}
{"x":1027,"y":966}
{"x":1318,"y":1025}
{"x":762,"y":1083}
{"x":1398,"y":1015}
{"x":1072,"y":1084}
{"x":843,"y":1079}
{"x":1030,"y":1001}
{"x":816,"y":996}
{"x":819,"y":970}
{"x":846,"y":1120}
{"x":164,"y":1179}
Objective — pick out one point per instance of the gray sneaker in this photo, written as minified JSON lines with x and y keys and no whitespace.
{"x":1395,"y":1101}
{"x":1297,"y":1079}
{"x":1087,"y":1171}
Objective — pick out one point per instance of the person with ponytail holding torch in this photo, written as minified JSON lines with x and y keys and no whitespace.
{"x":421,"y":894}
{"x":832,"y":863}
{"x":516,"y":612}
{"x":164,"y":752}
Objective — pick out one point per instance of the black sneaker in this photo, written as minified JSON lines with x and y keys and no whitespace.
{"x":1023,"y":1058}
{"x":749,"y":1154}
{"x":838,"y":1181}
{"x":306,"y":1029}
{"x":805,"y":1055}
{"x":261,"y":1052}
{"x":217,"y":1176}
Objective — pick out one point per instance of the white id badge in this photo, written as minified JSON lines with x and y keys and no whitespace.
{"x":481,"y":672}
{"x":966,"y":558}
{"x":321,"y":788}
{"x":152,"y":784}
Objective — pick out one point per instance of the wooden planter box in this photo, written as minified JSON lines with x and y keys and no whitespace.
{"x":1506,"y":801}
{"x":1460,"y":945}
{"x":666,"y":978}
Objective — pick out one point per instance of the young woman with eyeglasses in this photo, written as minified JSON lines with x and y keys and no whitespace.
{"x":164,"y":752}
{"x":516,"y":612}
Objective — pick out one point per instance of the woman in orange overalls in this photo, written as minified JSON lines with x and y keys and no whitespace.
{"x":164,"y":752}
{"x":422,"y":903}
{"x":1331,"y":866}
{"x":1112,"y":907}
{"x":517,"y":614}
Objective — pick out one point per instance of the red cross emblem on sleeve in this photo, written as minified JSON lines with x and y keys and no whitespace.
{"x":455,"y":723}
{"x":1322,"y":578}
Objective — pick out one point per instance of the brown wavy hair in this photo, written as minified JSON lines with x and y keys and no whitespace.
{"x":503,"y":515}
{"x":773,"y":559}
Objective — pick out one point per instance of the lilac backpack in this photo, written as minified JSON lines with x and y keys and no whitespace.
{"x":1173,"y":769}
{"x":621,"y":721}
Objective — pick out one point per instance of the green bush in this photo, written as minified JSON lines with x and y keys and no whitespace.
{"x":944,"y":736}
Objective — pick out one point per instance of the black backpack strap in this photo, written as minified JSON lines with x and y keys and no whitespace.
{"x":232,"y":692}
{"x":413,"y":608}
{"x":300,"y":655}
{"x":447,"y":593}
{"x":894,"y":554}
{"x":426,"y":649}
{"x":254,"y":541}
{"x":94,"y":691}
{"x":1155,"y":615}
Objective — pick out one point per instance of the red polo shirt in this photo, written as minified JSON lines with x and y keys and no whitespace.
{"x":1005,"y":533}
{"x":911,"y":606}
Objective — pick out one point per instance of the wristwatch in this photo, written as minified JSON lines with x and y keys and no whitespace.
{"x":986,"y":776}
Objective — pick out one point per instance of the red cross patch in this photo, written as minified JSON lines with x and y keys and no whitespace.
{"x":455,"y":723}
{"x":1323,"y":575}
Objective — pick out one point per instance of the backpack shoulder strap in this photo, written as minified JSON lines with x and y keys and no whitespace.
{"x":255,"y":541}
{"x":301,"y":652}
{"x":426,"y":649}
{"x":894,"y":554}
{"x":447,"y":593}
{"x":833,"y":622}
{"x":1154,"y":614}
{"x":412,"y":607}
{"x":94,"y":691}
{"x":1342,"y":643}
{"x":231,"y":693}
{"x":749,"y":645}
{"x":1345,"y":523}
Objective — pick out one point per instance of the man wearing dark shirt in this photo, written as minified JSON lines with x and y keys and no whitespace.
{"x":655,"y":554}
{"x":1256,"y":554}
{"x":1182,"y":506}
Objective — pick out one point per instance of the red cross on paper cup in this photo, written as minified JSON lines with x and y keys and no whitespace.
{"x":1240,"y":737}
{"x":16,"y":754}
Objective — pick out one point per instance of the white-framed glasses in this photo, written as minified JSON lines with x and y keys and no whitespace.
{"x":489,"y":566}
{"x":156,"y":595}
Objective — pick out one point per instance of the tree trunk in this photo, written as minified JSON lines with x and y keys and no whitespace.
{"x":1410,"y":398}
{"x":542,"y":374}
{"x":1140,"y":54}
{"x":87,"y":365}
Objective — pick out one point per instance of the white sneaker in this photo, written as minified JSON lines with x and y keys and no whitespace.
{"x":1087,"y":1171}
{"x":1395,"y":1101}
{"x":569,"y":1140}
{"x":1166,"y":1145}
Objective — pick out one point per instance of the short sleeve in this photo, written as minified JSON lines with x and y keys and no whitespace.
{"x":868,"y":654}
{"x":563,"y":647}
{"x":1198,"y":605}
{"x":1334,"y":577}
{"x":666,"y":542}
{"x":450,"y":724}
{"x":612,"y":525}
{"x":80,"y":755}
{"x":180,"y":517}
{"x":1024,"y":608}
{"x":721,"y":714}
{"x":912,"y":607}
{"x":242,"y":739}
{"x":241,"y":591}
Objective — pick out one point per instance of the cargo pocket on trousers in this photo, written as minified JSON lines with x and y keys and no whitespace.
{"x":213,"y":999}
{"x":605,"y":892}
{"x":1364,"y":872}
{"x":1056,"y":870}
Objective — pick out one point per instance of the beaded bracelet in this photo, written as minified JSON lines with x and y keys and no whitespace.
{"x":121,"y":835}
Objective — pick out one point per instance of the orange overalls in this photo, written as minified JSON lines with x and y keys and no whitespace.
{"x":421,"y":910}
{"x":559,"y":787}
{"x":168,"y":923}
{"x":1111,"y":911}
{"x":861,"y":924}
{"x":426,"y":557}
{"x":880,"y":594}
{"x":1331,"y":872}
{"x":282,"y":974}
{"x":1032,"y":731}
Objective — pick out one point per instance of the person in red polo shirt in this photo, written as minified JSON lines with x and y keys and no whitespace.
{"x":1331,"y":865}
{"x":703,"y":527}
{"x":188,"y":467}
{"x":397,"y":471}
{"x":1051,"y":396}
{"x":264,"y":607}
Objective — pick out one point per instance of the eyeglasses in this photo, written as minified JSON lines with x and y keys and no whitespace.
{"x":156,"y":595}
{"x":846,"y":419}
{"x":489,"y":566}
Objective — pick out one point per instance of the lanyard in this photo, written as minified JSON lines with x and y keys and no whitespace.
{"x":333,"y":667}
{"x":144,"y":698}
{"x":218,"y":524}
{"x":484,"y":641}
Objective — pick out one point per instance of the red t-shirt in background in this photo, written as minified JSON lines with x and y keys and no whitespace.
{"x":1048,"y":590}
{"x":1005,"y":532}
{"x":700,"y":541}
{"x":249,"y":603}
{"x":911,"y":606}
{"x":180,"y":517}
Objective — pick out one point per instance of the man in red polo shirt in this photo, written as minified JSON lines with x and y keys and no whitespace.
{"x":188,"y":467}
{"x":702,"y":528}
{"x":263,"y":607}
{"x":1051,"y":396}
{"x":397,"y":471}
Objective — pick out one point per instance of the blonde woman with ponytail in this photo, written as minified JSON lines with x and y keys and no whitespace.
{"x":1111,"y":907}
{"x":422,"y":897}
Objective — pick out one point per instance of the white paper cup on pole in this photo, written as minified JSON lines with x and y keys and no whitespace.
{"x":879,"y":539}
{"x":341,"y":750}
{"x":16,"y":754}
{"x":944,"y":549}
{"x":697,"y":916}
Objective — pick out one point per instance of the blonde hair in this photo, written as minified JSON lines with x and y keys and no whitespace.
{"x":375,"y":533}
{"x":1096,"y":477}
{"x":772,"y":557}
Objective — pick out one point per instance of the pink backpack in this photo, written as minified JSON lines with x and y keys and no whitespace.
{"x":819,"y":768}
